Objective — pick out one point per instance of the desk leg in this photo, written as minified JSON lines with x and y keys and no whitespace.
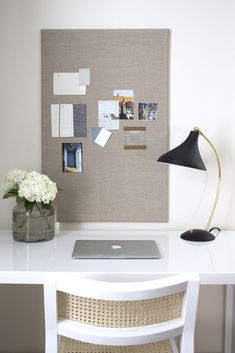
{"x":228,"y":337}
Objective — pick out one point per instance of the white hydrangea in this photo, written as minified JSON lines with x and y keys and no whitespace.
{"x":37,"y":187}
{"x":13,"y":179}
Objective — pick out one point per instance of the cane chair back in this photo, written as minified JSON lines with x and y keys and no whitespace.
{"x":93,"y":316}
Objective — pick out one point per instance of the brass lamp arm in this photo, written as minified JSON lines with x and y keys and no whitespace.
{"x":219,"y":178}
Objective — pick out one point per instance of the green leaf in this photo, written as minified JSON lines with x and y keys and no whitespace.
{"x":19,"y":199}
{"x":5,"y":196}
{"x":46,"y":205}
{"x":29,"y":205}
{"x":12,"y":193}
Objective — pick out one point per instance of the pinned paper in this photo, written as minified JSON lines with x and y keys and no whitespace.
{"x":148,"y":111}
{"x":95,"y":132}
{"x":125,"y":97}
{"x":55,"y":120}
{"x":84,"y":77}
{"x":109,"y":114}
{"x":134,"y":138}
{"x":68,"y":120}
{"x":103,"y":137}
{"x":72,"y":157}
{"x":67,"y":83}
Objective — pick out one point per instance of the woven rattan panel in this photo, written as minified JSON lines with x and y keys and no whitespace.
{"x":68,"y":345}
{"x":120,"y":313}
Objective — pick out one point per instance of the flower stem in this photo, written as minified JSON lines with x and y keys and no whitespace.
{"x":44,"y":216}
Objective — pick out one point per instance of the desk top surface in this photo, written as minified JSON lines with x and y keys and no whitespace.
{"x":214,"y":261}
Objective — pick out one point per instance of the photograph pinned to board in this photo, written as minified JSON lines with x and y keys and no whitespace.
{"x":148,"y":111}
{"x":67,"y":83}
{"x":126,"y":103}
{"x":102,"y":136}
{"x":135,"y":138}
{"x":72,"y":157}
{"x":68,"y":120}
{"x":108,"y":114}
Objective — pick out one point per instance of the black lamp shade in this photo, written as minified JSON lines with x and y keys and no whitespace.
{"x":187,"y":154}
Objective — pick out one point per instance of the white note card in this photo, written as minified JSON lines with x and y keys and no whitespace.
{"x":67,"y":83}
{"x":103,"y":137}
{"x":55,"y":120}
{"x":108,"y":114}
{"x":84,"y":77}
{"x":66,"y":120}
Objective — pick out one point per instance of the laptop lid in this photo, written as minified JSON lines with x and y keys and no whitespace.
{"x":116,"y":249}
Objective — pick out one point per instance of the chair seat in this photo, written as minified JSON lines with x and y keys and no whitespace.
{"x":68,"y":345}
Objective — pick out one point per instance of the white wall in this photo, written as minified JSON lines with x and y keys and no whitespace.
{"x":202,"y":86}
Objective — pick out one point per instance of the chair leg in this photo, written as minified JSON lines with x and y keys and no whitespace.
{"x":173,"y":345}
{"x":187,"y":343}
{"x":50,"y":314}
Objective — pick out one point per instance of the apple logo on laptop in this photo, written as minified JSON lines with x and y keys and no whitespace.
{"x":116,"y":247}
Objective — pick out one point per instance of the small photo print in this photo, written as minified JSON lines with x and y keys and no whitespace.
{"x":126,"y":103}
{"x":72,"y":157}
{"x":148,"y":111}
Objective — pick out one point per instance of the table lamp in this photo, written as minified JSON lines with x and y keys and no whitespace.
{"x":187,"y":154}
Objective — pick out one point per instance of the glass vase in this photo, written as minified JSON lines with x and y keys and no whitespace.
{"x":34,"y":226}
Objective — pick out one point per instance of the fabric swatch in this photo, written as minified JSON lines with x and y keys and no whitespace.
{"x":79,"y":120}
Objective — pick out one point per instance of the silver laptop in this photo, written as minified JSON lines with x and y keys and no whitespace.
{"x":116,"y":249}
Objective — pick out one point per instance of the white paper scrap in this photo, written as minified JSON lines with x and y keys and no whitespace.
{"x":66,"y":120}
{"x":123,"y":92}
{"x":55,"y":120}
{"x":84,"y":77}
{"x":103,"y":137}
{"x":67,"y":83}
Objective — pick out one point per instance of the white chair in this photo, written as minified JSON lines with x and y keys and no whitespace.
{"x":110,"y":317}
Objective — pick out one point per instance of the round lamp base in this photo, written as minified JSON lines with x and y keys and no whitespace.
{"x":197,"y":235}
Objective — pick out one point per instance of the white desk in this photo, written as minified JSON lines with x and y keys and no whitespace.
{"x":214,"y":261}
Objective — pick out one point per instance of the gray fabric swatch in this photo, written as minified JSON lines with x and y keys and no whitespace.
{"x":79,"y":120}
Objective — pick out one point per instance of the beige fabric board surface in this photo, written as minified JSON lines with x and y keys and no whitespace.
{"x":116,"y":184}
